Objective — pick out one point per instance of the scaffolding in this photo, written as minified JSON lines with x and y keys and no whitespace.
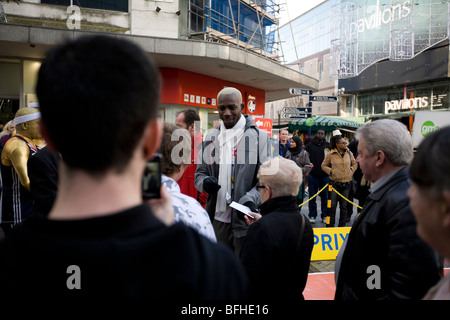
{"x":248,"y":24}
{"x":3,"y":18}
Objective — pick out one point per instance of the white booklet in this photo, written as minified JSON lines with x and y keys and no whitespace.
{"x":244,"y":209}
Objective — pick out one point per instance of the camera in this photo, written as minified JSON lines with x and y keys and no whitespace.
{"x":151,"y":178}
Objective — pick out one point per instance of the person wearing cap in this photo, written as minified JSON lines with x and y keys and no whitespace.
{"x":17,"y":201}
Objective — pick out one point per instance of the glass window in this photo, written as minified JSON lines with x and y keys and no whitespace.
{"x":114,"y":5}
{"x":440,"y":98}
{"x":378,"y":102}
{"x":365,"y":104}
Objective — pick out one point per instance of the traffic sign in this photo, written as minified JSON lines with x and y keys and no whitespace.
{"x":298,"y":91}
{"x":323,"y":99}
{"x":297,"y":110}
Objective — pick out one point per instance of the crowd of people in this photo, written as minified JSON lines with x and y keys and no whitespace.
{"x":227,"y":224}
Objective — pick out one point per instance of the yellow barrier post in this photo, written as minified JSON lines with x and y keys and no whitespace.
{"x":330,"y":189}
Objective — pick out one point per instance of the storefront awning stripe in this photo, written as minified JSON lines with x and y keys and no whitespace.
{"x":323,"y":123}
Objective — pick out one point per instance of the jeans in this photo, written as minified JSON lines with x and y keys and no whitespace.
{"x":314,"y":185}
{"x":344,"y":189}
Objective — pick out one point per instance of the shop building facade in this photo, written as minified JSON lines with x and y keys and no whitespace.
{"x":393,"y":61}
{"x":190,"y":41}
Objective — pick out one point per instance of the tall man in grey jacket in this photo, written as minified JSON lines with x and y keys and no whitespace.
{"x":228,"y":165}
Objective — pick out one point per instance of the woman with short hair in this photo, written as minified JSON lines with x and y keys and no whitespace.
{"x":277,"y":249}
{"x":175,"y":158}
{"x":429,"y":197}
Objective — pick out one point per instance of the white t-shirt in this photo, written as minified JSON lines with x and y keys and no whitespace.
{"x":188,"y":210}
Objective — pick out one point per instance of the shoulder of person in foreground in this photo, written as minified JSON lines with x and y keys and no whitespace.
{"x":189,"y":211}
{"x":173,"y":261}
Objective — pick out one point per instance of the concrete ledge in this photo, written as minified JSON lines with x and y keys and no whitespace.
{"x":212,"y":59}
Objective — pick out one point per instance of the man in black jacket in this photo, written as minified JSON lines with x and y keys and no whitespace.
{"x":101,"y":241}
{"x":383,"y":257}
{"x":43,"y":174}
{"x":317,"y":178}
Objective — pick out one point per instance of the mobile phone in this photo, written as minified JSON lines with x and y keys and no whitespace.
{"x":151,"y":179}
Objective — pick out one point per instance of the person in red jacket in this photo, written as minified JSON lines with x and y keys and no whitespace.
{"x":188,"y":119}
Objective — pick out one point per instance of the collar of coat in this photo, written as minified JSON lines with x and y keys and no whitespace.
{"x":335,"y":150}
{"x":284,"y":204}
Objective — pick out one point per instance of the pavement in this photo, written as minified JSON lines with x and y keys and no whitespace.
{"x":326,"y":265}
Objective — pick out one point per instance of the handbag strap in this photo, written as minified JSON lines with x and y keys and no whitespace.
{"x":302,"y":230}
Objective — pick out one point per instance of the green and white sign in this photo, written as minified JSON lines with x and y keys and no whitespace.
{"x":426,"y":122}
{"x":428,"y":127}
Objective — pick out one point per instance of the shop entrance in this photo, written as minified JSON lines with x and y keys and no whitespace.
{"x":8,"y":109}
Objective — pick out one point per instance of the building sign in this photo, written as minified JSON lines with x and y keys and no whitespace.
{"x":251,"y":104}
{"x":365,"y":33}
{"x":376,"y":16}
{"x":328,"y":242}
{"x":426,"y":122}
{"x":265,"y":124}
{"x":440,"y":100}
{"x":406,"y":104}
{"x":192,"y":89}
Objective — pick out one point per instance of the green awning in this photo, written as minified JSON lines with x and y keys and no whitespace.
{"x":322,"y":123}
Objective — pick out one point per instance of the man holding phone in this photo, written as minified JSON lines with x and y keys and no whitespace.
{"x":100,"y":239}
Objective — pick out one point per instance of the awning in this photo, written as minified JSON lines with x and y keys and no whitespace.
{"x":322,"y":123}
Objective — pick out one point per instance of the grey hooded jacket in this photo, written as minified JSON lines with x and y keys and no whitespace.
{"x":254,"y":149}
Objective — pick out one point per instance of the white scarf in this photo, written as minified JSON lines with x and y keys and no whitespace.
{"x":228,"y":139}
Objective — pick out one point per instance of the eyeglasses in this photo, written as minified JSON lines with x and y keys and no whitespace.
{"x":260,"y":187}
{"x":342,"y":143}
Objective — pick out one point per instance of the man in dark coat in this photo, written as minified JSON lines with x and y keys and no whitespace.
{"x":101,"y":239}
{"x":317,"y":178}
{"x":277,"y":249}
{"x":43,"y":174}
{"x":383,"y":257}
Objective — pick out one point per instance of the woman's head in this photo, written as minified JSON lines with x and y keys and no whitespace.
{"x":284,"y":181}
{"x":430,"y":192}
{"x":10,"y":127}
{"x":296,"y":142}
{"x":335,"y":140}
{"x":175,"y":149}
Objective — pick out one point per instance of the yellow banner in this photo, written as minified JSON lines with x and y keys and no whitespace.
{"x":328,"y":242}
